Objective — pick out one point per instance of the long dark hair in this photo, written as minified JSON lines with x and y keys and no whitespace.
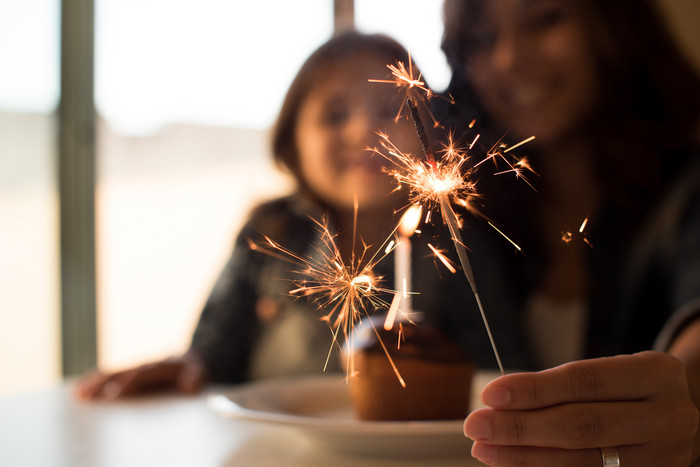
{"x":648,"y":118}
{"x":645,"y":130}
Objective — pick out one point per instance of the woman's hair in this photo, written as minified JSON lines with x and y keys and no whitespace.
{"x":332,"y":54}
{"x":650,"y":104}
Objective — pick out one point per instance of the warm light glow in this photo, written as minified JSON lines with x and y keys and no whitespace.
{"x":568,"y":236}
{"x":444,"y":259}
{"x":345,"y":291}
{"x":410,"y":220}
{"x":583,"y":225}
{"x":444,"y":181}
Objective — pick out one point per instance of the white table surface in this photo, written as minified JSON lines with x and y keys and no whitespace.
{"x":51,"y":428}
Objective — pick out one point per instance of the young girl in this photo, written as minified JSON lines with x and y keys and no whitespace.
{"x":251,"y":327}
{"x":614,"y":109}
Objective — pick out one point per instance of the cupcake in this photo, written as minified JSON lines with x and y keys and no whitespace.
{"x":436,"y":374}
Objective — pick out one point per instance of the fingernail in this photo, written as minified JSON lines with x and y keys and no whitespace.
{"x":486,"y":453}
{"x":111,"y":390}
{"x":477,"y":426}
{"x":496,"y":396}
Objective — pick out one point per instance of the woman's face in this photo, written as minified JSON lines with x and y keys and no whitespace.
{"x":336,"y":126}
{"x":533,"y":66}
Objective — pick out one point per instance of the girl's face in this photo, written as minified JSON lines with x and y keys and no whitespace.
{"x":337,"y":123}
{"x":533,"y":66}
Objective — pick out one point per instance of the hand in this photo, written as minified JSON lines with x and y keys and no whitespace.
{"x":562,"y":416}
{"x":186,"y":374}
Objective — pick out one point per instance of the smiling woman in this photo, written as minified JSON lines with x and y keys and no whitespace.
{"x":616,"y":111}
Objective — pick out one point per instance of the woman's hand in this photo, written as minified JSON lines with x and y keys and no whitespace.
{"x":639,"y":404}
{"x":186,"y":374}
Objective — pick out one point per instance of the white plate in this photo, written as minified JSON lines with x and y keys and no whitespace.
{"x":319,"y":406}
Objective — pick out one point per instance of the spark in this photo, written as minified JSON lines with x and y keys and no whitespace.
{"x":505,"y":236}
{"x":583,"y":225}
{"x":408,"y":78}
{"x":474,"y":142}
{"x":439,"y":183}
{"x":405,"y":77}
{"x":514,"y":164}
{"x":445,"y":260}
{"x":427,"y":181}
{"x":346,"y":291}
{"x":527,"y":140}
{"x":567,"y":236}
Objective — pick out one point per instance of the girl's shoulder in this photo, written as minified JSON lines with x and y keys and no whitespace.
{"x":283,"y":206}
{"x":279,"y":218}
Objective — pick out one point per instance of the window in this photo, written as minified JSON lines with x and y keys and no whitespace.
{"x":186,"y":92}
{"x":29,"y":283}
{"x":417,"y":24}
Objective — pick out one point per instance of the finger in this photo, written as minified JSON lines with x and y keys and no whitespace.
{"x":516,"y":456}
{"x":571,"y":426}
{"x":504,"y":456}
{"x":625,"y":377}
{"x":191,"y":379}
{"x":121,"y":384}
{"x":91,"y":385}
{"x":152,"y":376}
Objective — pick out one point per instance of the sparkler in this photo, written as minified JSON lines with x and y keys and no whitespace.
{"x":348,"y":289}
{"x":409,"y":79}
{"x":442,"y":189}
{"x":441,"y":183}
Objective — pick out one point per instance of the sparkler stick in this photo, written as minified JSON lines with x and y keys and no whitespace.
{"x":450,"y":218}
{"x":420,"y":129}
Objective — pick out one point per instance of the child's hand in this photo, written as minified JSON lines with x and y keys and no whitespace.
{"x":186,"y":374}
{"x":639,"y":404}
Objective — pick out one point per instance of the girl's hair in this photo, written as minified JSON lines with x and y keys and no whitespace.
{"x":331,"y":54}
{"x":647,"y":119}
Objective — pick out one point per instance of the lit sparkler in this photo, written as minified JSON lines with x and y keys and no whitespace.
{"x":441,"y":183}
{"x":410,"y":80}
{"x":446,"y":181}
{"x":348,"y":290}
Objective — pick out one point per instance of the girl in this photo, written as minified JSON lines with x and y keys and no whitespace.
{"x":614,"y":109}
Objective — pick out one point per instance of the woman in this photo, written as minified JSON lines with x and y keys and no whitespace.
{"x":614,"y":109}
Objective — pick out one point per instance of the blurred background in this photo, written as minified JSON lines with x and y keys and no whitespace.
{"x":185,"y":93}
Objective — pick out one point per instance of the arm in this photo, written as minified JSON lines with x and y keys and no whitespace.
{"x":219,"y":347}
{"x":185,"y":373}
{"x":227,"y":326}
